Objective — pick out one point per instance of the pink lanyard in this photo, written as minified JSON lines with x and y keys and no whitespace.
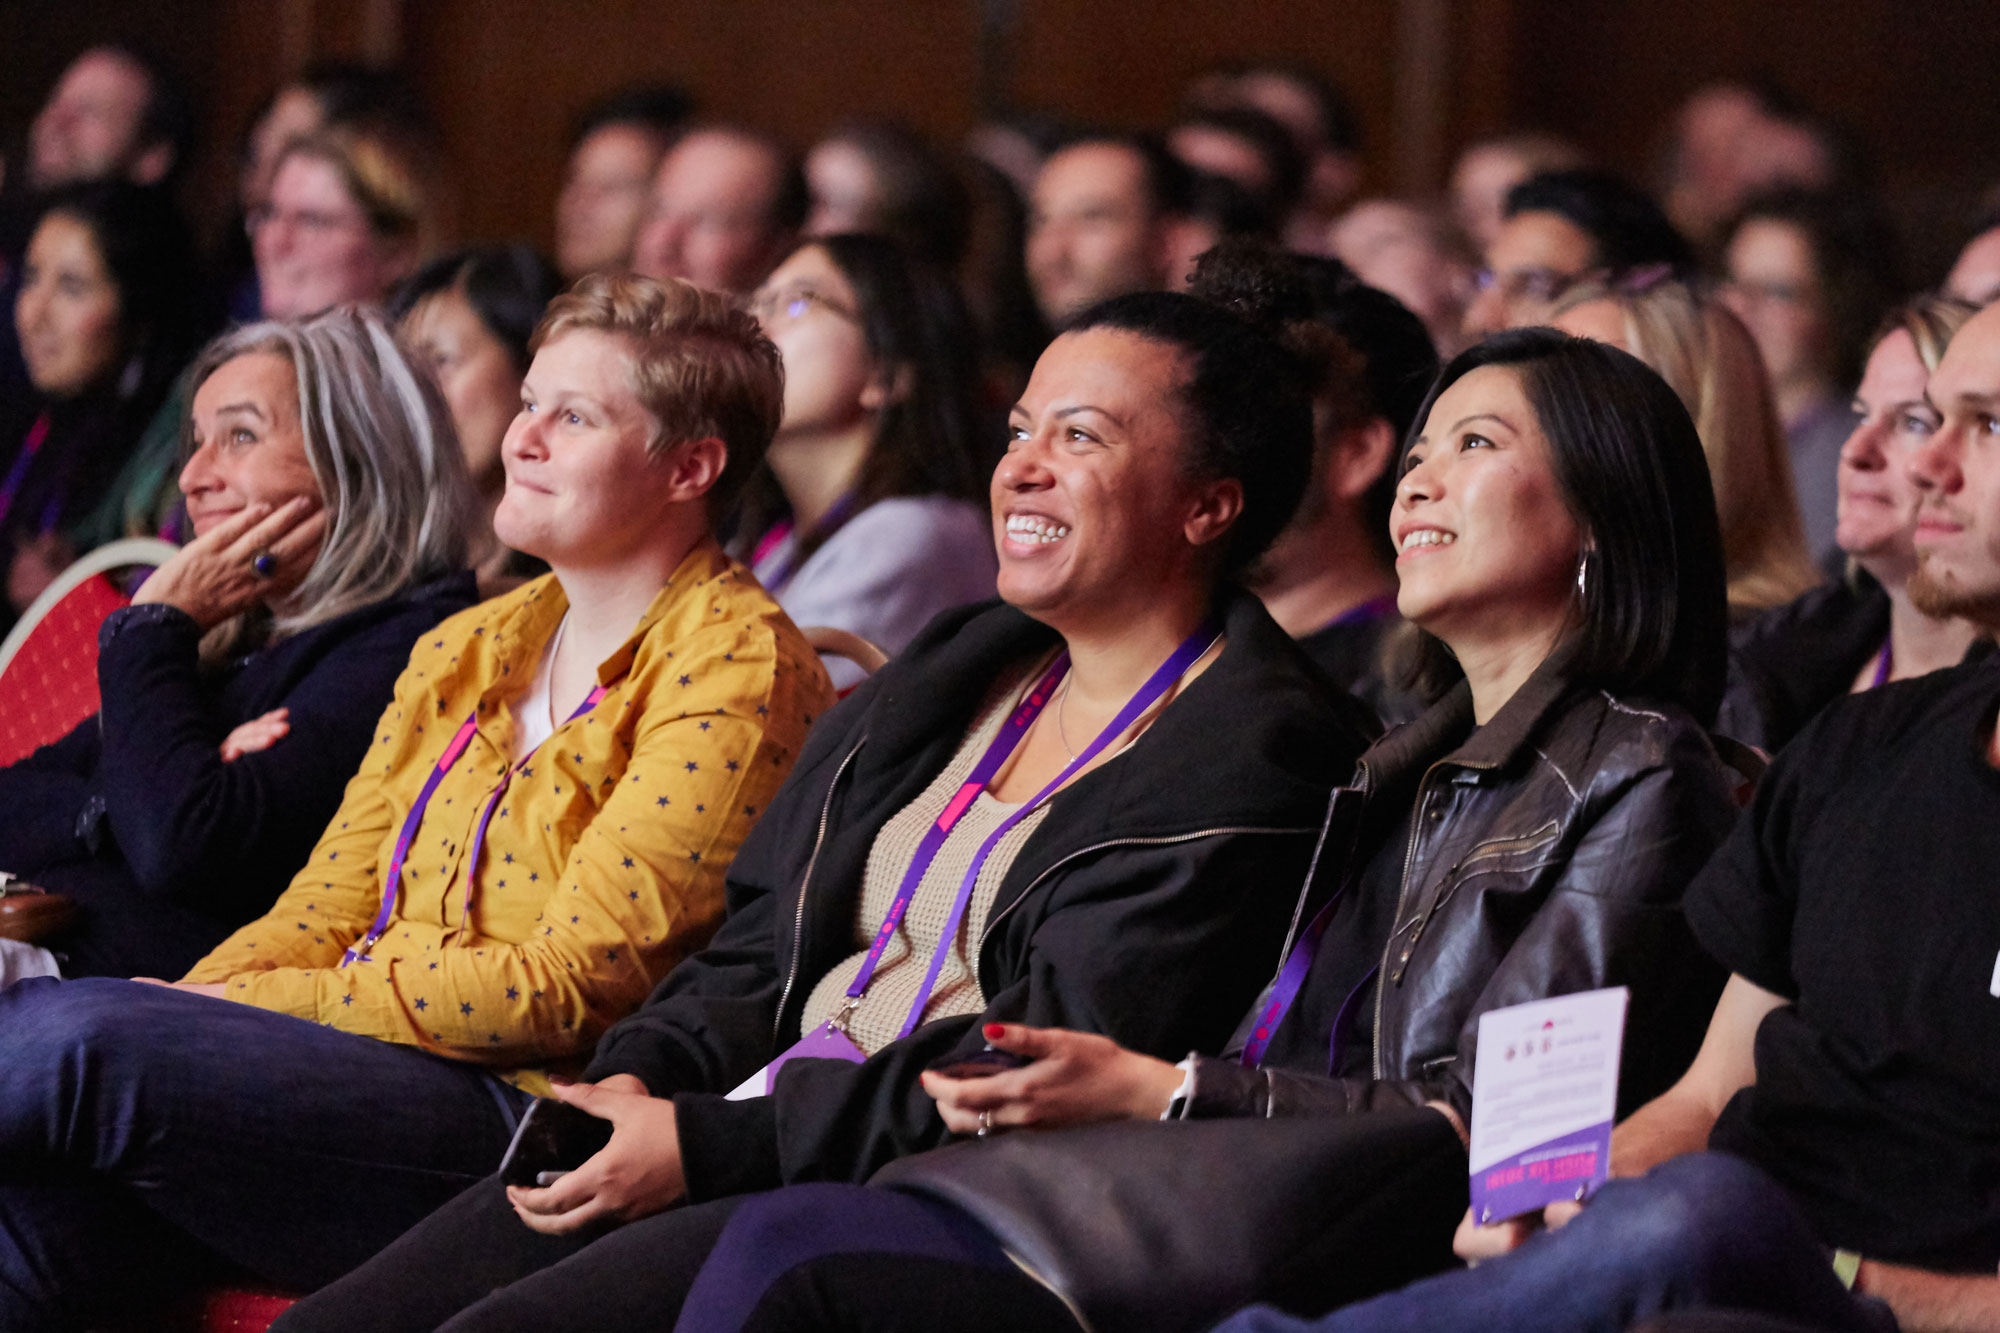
{"x":779,"y":575}
{"x":392,"y":881}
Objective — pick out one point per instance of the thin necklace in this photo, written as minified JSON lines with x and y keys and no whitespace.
{"x":555,"y":646}
{"x":1062,"y":733}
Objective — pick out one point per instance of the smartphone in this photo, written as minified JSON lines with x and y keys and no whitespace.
{"x":980,"y":1064}
{"x":553,"y":1139}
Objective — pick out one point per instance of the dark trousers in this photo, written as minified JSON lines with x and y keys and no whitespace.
{"x":472,"y":1266}
{"x":144,"y":1130}
{"x":1703,"y":1231}
{"x":850,"y":1258}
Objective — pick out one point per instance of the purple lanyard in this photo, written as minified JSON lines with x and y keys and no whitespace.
{"x":1292,"y":975}
{"x":1285,"y":989}
{"x":997,"y":752}
{"x":1885,"y":662}
{"x":392,"y":881}
{"x":832,"y":521}
{"x":10,"y":486}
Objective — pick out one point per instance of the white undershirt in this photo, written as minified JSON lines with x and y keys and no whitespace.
{"x":535,"y":720}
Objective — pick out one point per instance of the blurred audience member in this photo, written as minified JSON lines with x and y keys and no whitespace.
{"x":351,"y":213}
{"x":884,"y":178}
{"x":1975,"y":276}
{"x":1016,"y":145}
{"x":994,"y":280}
{"x":114,"y":115}
{"x":1102,"y":222}
{"x":616,"y":148}
{"x":1247,"y":147}
{"x":1707,"y":357}
{"x":327,"y":94}
{"x":242,"y":687}
{"x":1329,"y":578}
{"x":1410,"y":253}
{"x":727,"y":203}
{"x":1325,"y":135}
{"x":868,"y":518}
{"x":469,"y":317}
{"x":1810,"y":274}
{"x":1862,"y":630}
{"x":1488,"y":170}
{"x":1218,"y":208}
{"x":104,"y":315}
{"x":1732,"y":140}
{"x":1563,"y":228}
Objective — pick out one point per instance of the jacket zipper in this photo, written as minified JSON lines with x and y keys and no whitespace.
{"x":979,"y":950}
{"x":805,"y":882}
{"x":1402,"y":894}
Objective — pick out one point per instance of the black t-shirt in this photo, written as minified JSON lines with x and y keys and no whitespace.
{"x":1864,"y":885}
{"x":1341,"y":983}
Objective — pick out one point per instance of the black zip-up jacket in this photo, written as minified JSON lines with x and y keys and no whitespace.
{"x":1146,"y":906}
{"x":134,"y":813}
{"x":1547,"y":854}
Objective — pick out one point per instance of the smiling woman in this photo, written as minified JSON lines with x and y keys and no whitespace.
{"x":330,"y":513}
{"x":867,"y":518}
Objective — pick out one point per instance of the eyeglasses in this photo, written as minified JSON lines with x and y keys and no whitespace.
{"x":796,"y":303}
{"x":1530,"y":284}
{"x":310,"y":221}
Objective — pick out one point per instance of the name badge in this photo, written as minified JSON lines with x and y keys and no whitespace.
{"x":825,"y":1042}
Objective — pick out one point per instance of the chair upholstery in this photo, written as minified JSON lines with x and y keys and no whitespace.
{"x":48,"y":662}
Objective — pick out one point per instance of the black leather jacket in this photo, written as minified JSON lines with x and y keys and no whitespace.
{"x":1547,"y":855}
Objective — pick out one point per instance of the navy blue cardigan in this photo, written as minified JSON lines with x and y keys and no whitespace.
{"x":134,"y":814}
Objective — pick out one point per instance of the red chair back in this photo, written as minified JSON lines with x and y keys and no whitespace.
{"x":50,"y":685}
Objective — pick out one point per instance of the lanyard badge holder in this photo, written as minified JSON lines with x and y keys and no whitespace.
{"x":830,"y":1040}
{"x":392,"y":880}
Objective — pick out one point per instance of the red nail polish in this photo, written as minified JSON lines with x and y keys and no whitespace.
{"x":994,"y":1031}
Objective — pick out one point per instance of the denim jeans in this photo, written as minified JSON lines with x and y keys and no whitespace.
{"x":141,"y":1127}
{"x":1705,"y":1231}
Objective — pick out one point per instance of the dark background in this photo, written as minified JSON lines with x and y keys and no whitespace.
{"x":1913,"y":80}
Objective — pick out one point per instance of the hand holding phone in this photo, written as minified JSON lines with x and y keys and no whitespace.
{"x":553,"y":1139}
{"x":979,"y":1064}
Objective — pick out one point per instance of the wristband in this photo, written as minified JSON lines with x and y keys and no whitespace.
{"x":1177,"y":1104}
{"x":1846,"y":1267}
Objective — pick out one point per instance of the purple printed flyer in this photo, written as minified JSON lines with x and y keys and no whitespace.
{"x":1544,"y":1092}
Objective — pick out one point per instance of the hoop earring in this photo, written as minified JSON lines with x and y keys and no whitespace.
{"x":1583,"y":578}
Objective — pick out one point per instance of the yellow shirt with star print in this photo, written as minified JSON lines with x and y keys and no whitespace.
{"x":603,"y":863}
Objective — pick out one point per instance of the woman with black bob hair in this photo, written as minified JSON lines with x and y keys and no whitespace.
{"x":469,"y":317}
{"x":866,"y":517}
{"x":1528,"y":836}
{"x":1087,"y":806}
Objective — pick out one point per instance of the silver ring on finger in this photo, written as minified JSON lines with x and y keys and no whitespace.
{"x":263,"y":564}
{"x":985,"y":1123}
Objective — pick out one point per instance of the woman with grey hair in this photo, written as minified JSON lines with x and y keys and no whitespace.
{"x":239,"y":691}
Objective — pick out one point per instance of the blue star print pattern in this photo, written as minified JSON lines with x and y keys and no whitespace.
{"x":630,"y":815}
